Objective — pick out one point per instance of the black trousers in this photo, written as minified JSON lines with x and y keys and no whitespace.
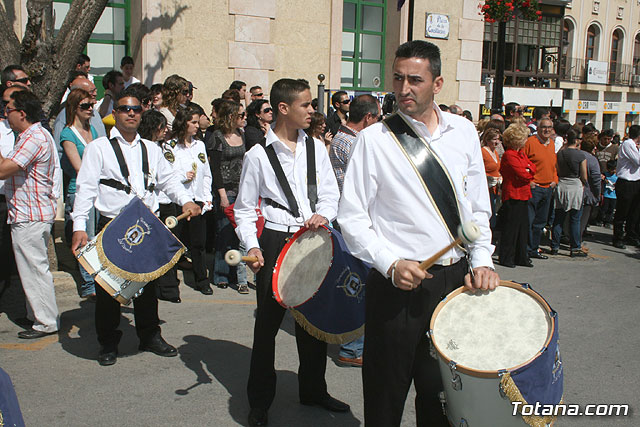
{"x":6,"y":250}
{"x":196,"y":229}
{"x":515,"y":232}
{"x":627,"y":216}
{"x":312,"y":352}
{"x":168,"y":285}
{"x":107,"y":315}
{"x":396,"y":349}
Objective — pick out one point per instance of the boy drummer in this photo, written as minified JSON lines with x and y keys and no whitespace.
{"x":285,"y":210}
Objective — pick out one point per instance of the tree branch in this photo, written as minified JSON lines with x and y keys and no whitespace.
{"x":9,"y":43}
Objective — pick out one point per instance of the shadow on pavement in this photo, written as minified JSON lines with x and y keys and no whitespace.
{"x":228,"y":362}
{"x":13,"y":302}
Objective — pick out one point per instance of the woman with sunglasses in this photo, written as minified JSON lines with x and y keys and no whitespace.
{"x":77,"y":133}
{"x":175,"y":91}
{"x":259,"y":117}
{"x":226,"y":161}
{"x":189,"y":160}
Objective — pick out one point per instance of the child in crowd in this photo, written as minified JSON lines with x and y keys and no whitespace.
{"x":609,"y":201}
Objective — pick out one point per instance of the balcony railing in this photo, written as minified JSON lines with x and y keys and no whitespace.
{"x":576,"y":69}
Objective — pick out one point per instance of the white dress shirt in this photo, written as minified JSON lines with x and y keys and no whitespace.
{"x":7,"y":140}
{"x":628,"y":161}
{"x":259,"y":180}
{"x":385,"y":213}
{"x":199,"y":188}
{"x":99,"y":162}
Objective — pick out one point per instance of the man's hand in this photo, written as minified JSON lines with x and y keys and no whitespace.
{"x":256,"y":265}
{"x":553,"y":184}
{"x":78,"y":240}
{"x":190,"y":175}
{"x":533,"y":185}
{"x":315,"y":222}
{"x":407,"y":275}
{"x":483,"y":278}
{"x":193,"y":208}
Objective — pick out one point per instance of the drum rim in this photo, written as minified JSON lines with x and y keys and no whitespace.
{"x":493,"y":373}
{"x":98,"y":279}
{"x":283,"y":253}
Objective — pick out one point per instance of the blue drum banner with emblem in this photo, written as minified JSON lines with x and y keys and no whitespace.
{"x":10,"y":414}
{"x":337,"y":311}
{"x":540,"y":381}
{"x":136,"y":245}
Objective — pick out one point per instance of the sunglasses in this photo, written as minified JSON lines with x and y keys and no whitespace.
{"x":242,"y":115}
{"x":127,"y":108}
{"x":8,"y":110}
{"x":267,"y":110}
{"x":345,"y":101}
{"x":258,"y":94}
{"x":23,"y":80}
{"x":86,"y":105}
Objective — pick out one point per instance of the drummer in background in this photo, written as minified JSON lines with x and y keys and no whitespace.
{"x":291,"y":100}
{"x":388,"y":220}
{"x":95,"y":186}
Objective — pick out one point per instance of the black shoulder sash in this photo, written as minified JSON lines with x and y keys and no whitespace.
{"x":432,"y":172}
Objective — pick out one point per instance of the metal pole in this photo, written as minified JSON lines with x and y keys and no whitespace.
{"x":321,"y":93}
{"x":496,"y":106}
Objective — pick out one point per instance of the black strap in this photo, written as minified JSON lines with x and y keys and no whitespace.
{"x":312,"y":184}
{"x":282,"y":180}
{"x":116,"y":184}
{"x":125,"y":170}
{"x":432,"y":173}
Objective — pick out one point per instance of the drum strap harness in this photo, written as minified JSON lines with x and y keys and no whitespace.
{"x":432,"y":173}
{"x":125,"y":170}
{"x":312,"y":186}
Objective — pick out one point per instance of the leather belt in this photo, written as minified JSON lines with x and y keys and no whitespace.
{"x":283,"y":228}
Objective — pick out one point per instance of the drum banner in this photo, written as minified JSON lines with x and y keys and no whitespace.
{"x":342,"y":293}
{"x":136,"y":245}
{"x":10,"y":414}
{"x":539,"y":381}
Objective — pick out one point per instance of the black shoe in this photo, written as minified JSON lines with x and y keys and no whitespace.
{"x":632,"y":242}
{"x":578,"y":253}
{"x":205,"y":289}
{"x":258,"y":417}
{"x":526,"y":264}
{"x":31,"y":334}
{"x":107,"y":358}
{"x":329,"y":403}
{"x":538,"y":255}
{"x":508,"y":264}
{"x":175,"y":300}
{"x":159,"y":346}
{"x":619,"y":245}
{"x":553,"y":252}
{"x":222,"y":285}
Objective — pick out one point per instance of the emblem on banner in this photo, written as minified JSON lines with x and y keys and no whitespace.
{"x":352,"y":285}
{"x":134,"y":235}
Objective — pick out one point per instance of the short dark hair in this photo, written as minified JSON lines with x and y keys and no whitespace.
{"x":495,"y":124}
{"x":254,"y":87}
{"x":150,"y":122}
{"x":8,"y":73}
{"x":607,"y":132}
{"x":634,"y":131}
{"x":231,"y":95}
{"x":561,"y":126}
{"x":443,"y":107}
{"x":467,"y":115}
{"x":510,"y":107}
{"x":361,"y":106}
{"x":82,"y":58}
{"x":27,"y":101}
{"x":126,"y":60}
{"x":422,"y":49}
{"x":612,"y":164}
{"x":237,"y":84}
{"x":127,"y":93}
{"x":110,"y":78}
{"x":286,"y":90}
{"x":75,"y":74}
{"x":144,"y":93}
{"x":156,"y":89}
{"x":572,"y":137}
{"x":588,"y":128}
{"x":336,"y":97}
{"x":539,"y":112}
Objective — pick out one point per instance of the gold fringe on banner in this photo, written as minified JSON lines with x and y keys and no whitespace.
{"x":513,"y":393}
{"x":134,"y":277}
{"x":325,"y":336}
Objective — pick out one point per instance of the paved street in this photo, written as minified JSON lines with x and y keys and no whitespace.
{"x":59,"y":382}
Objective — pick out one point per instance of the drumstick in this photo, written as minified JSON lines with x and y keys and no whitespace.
{"x":172,"y":221}
{"x":468,"y":232}
{"x":233,"y":258}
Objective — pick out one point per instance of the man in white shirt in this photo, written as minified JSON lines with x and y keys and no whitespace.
{"x":291,"y":100}
{"x":627,"y":217}
{"x":95,"y":186}
{"x":388,"y":220}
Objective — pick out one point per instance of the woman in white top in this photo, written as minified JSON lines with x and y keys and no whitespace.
{"x":174,"y":95}
{"x":189,"y":160}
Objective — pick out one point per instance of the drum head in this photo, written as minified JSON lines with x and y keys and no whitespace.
{"x":302,"y":266}
{"x":489,"y":331}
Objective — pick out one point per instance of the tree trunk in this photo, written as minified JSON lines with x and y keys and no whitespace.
{"x":48,"y":59}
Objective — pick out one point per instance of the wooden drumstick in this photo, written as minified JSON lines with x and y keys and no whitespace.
{"x":468,"y":232}
{"x":233,"y":258}
{"x":172,"y":221}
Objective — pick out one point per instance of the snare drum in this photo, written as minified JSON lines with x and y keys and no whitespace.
{"x":495,"y":348}
{"x":120,"y":289}
{"x":323,"y":285}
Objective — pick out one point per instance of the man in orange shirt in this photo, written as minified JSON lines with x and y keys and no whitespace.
{"x":540,"y":149}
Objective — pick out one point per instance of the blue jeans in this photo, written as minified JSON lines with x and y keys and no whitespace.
{"x":574,"y":228}
{"x":538,"y":215}
{"x":353,"y":349}
{"x":88,"y":287}
{"x":227,"y":239}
